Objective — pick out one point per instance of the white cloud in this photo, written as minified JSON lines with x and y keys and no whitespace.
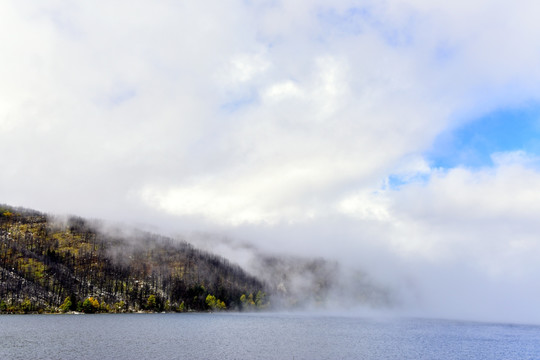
{"x":282,"y":91}
{"x":372,"y":206}
{"x":283,"y":115}
{"x":244,"y":67}
{"x":485,"y":215}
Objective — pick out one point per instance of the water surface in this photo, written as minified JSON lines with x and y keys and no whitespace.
{"x":258,"y":336}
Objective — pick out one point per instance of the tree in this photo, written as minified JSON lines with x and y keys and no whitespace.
{"x":214,"y":303}
{"x":70,"y":304}
{"x":90,"y":305}
{"x":247,"y":303}
{"x":151,"y":303}
{"x":66,"y":306}
{"x":26,"y":306}
{"x":250,"y":302}
{"x":260,"y":300}
{"x":181,"y":307}
{"x":119,"y":306}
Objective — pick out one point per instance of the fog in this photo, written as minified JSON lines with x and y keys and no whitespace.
{"x":293,"y":130}
{"x":474,"y":275}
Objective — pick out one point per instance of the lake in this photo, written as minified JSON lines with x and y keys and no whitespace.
{"x":259,"y":336}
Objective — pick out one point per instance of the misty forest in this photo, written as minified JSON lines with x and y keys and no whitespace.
{"x":48,"y":265}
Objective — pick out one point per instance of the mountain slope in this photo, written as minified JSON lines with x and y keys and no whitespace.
{"x":47,"y":265}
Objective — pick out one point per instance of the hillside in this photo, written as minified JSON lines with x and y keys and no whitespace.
{"x":51,"y":265}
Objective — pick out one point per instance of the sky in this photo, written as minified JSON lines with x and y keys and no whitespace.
{"x":400,"y":136}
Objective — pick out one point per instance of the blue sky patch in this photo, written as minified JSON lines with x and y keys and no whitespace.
{"x":122,"y":96}
{"x":239,"y":103}
{"x":354,"y":21}
{"x":501,"y":131}
{"x":351,"y":22}
{"x":395,"y":182}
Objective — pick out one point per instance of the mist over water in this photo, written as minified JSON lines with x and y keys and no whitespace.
{"x":314,"y":276}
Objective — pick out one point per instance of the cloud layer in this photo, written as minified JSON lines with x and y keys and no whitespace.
{"x":285,"y":124}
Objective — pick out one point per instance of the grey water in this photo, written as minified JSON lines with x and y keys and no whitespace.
{"x":259,"y":336}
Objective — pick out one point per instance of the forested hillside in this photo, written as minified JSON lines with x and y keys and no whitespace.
{"x":72,"y":265}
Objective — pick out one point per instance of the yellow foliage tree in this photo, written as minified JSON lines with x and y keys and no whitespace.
{"x":90,"y":305}
{"x":214,"y":303}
